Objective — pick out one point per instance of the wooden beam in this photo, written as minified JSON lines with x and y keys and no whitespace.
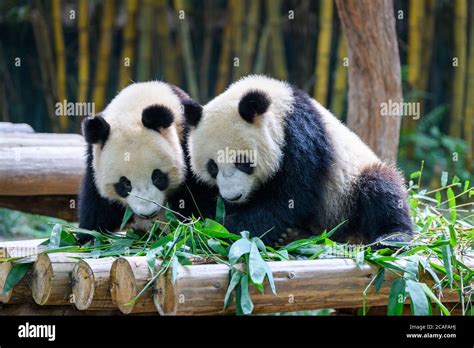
{"x":41,"y":170}
{"x":60,"y":206}
{"x":300,"y":285}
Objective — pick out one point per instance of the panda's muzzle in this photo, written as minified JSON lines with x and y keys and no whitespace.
{"x":149,"y":216}
{"x":233,"y":199}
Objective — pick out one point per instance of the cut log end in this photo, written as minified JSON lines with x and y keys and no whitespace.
{"x":83,"y":285}
{"x":123,"y":287}
{"x":165,"y":295}
{"x":5,"y":268}
{"x":41,"y":280}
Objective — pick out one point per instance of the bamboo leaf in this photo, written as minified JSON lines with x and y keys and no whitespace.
{"x":419,"y":302}
{"x":256,"y":265}
{"x":379,"y":278}
{"x":16,"y":274}
{"x":245,"y":301}
{"x":235,"y":276}
{"x":444,"y":179}
{"x":433,"y":297}
{"x":220,"y":211}
{"x":452,"y":203}
{"x":397,"y":297}
{"x":55,"y":237}
{"x":239,"y":248}
{"x":217,"y":247}
{"x":126,"y":217}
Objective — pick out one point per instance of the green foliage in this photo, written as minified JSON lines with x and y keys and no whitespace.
{"x":445,"y":235}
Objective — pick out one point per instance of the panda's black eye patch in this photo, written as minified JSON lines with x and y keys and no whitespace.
{"x":212,"y":168}
{"x":160,"y":179}
{"x":244,"y":165}
{"x":123,"y":187}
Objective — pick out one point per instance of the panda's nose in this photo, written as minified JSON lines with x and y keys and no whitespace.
{"x":233,"y":199}
{"x":149,"y":216}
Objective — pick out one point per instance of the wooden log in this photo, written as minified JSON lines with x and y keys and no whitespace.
{"x":128,"y":276}
{"x":51,"y":279}
{"x":60,"y":206}
{"x":8,"y":127}
{"x":91,"y":284}
{"x":33,"y":309}
{"x":41,"y":139}
{"x":41,"y":170}
{"x":300,"y":285}
{"x":21,"y":293}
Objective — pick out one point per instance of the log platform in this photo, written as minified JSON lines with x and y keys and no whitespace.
{"x":106,"y":286}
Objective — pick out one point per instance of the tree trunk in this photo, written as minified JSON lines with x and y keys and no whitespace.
{"x":374,"y":73}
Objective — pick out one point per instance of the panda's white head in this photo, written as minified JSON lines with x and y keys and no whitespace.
{"x":236,"y":140}
{"x":137,"y":155}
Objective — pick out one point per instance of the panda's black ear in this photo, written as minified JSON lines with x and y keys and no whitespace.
{"x":95,"y":129}
{"x":192,"y":112}
{"x":252,"y":104}
{"x":157,"y":117}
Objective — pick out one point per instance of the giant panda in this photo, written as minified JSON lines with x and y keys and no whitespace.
{"x":310,"y":174}
{"x":136,"y":157}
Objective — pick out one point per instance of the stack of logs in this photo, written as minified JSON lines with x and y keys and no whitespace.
{"x":108,"y":286}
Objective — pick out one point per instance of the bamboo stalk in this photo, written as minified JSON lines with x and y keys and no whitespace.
{"x":428,"y":39}
{"x":262,"y":50}
{"x":91,"y":284}
{"x":128,"y":276}
{"x":277,"y":44}
{"x":321,"y":84}
{"x":169,"y":56}
{"x":415,"y":34}
{"x":460,"y":44}
{"x":237,"y":10}
{"x":51,"y":279}
{"x":340,"y":80}
{"x":46,"y":66}
{"x":185,"y":35}
{"x":224,"y":57}
{"x":469,"y":112}
{"x":61,"y":94}
{"x":300,"y":285}
{"x":127,"y":54}
{"x":83,"y":28}
{"x":145,"y":44}
{"x":251,"y":37}
{"x":206,"y":57}
{"x":104,"y":54}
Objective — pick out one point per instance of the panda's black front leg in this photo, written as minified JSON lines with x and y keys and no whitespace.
{"x":263,"y":219}
{"x":380,"y":211}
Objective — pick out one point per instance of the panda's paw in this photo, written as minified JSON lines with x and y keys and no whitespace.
{"x":290,"y":235}
{"x":83,"y":239}
{"x":394,"y":239}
